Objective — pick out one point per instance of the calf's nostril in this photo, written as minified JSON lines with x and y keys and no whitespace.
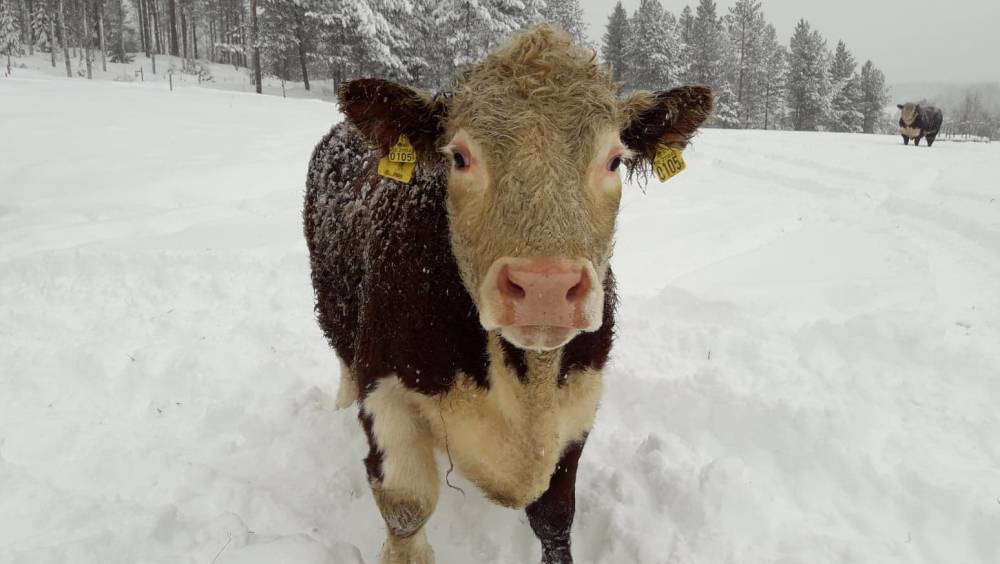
{"x":508,"y":287}
{"x":578,"y":290}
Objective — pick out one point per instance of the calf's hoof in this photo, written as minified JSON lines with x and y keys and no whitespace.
{"x":413,"y":549}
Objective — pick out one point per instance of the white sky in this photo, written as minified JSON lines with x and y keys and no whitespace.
{"x":910,"y":40}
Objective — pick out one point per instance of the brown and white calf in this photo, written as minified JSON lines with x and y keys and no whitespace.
{"x":473,"y":308}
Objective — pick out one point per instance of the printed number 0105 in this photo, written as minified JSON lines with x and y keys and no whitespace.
{"x":668,"y":166}
{"x":402,"y":156}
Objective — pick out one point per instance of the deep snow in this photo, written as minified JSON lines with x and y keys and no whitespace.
{"x":807,"y":367}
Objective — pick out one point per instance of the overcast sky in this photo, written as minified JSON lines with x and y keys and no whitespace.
{"x":910,"y":40}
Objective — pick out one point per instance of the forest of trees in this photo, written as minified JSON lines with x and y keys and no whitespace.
{"x":760,"y":82}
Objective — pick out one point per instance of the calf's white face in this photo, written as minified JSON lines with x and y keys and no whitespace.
{"x":534,"y":137}
{"x":532,"y":226}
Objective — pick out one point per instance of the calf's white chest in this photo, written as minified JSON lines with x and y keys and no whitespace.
{"x":507,"y":439}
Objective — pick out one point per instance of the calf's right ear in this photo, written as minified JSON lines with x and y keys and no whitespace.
{"x":382,"y":111}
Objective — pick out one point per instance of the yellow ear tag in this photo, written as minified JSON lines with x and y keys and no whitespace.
{"x":668,"y":162}
{"x":399,"y":163}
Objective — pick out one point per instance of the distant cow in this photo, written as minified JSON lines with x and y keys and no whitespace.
{"x":916,"y":122}
{"x":472,"y":308}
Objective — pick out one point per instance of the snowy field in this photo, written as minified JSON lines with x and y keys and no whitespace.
{"x":808,"y":367}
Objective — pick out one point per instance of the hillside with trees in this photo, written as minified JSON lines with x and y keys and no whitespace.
{"x":760,"y":82}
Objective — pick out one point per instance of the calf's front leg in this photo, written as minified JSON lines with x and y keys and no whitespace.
{"x":551,"y":515}
{"x":402,"y":472}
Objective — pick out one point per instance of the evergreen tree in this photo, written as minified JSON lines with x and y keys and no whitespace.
{"x":651,"y":47}
{"x":40,"y":20}
{"x":808,"y":80}
{"x":745,"y":24}
{"x":706,"y":47}
{"x":476,"y":27}
{"x":685,"y":38}
{"x":429,"y":60}
{"x":287,"y":36}
{"x":775,"y":80}
{"x":685,"y":26}
{"x":845,"y":113}
{"x":706,"y":54}
{"x":568,"y":15}
{"x":359,"y":39}
{"x":874,"y":96}
{"x":10,"y":33}
{"x":613,"y":49}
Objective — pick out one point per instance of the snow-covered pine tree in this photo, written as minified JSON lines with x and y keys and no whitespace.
{"x":685,"y":26}
{"x":651,"y":48}
{"x":845,"y":111}
{"x":478,"y":26}
{"x":287,"y":36}
{"x":745,"y":25}
{"x":706,"y":57}
{"x":359,"y":39}
{"x":10,"y":33}
{"x":874,"y":96}
{"x":775,"y":78}
{"x":117,"y":53}
{"x":40,"y":26}
{"x":428,"y":58}
{"x":24,"y":21}
{"x":808,"y":79}
{"x":613,"y":43}
{"x":685,"y":38}
{"x":568,"y":15}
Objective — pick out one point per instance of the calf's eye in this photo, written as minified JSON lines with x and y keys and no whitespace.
{"x":614,"y":163}
{"x":460,"y":161}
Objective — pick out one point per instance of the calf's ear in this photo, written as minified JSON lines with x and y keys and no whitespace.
{"x":383,"y":110}
{"x":669,"y":117}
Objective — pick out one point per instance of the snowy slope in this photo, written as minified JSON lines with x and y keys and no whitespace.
{"x":807,"y":368}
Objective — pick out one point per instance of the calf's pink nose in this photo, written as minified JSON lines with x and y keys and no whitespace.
{"x":543,"y":292}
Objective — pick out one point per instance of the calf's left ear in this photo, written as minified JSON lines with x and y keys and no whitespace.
{"x":669,"y":117}
{"x":382,"y":111}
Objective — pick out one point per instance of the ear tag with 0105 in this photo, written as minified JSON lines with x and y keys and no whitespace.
{"x":668,"y":162}
{"x":399,"y":163}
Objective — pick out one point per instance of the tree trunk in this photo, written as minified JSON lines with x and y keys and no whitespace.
{"x":26,"y":29}
{"x":302,"y":61}
{"x":141,"y":17}
{"x":156,"y":26}
{"x":194,"y":36}
{"x":184,"y":35}
{"x":172,"y":6}
{"x":52,"y":40}
{"x":86,"y":38}
{"x":121,"y":28}
{"x":100,"y":33}
{"x":65,"y":43}
{"x":300,"y":37}
{"x":253,"y":42}
{"x":767,"y":104}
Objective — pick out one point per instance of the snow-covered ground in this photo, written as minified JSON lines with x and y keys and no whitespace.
{"x":808,"y":367}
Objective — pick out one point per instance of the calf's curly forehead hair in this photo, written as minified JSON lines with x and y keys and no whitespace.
{"x":539,"y":80}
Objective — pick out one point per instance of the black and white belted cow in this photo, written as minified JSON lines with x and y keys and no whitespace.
{"x":917,"y":122}
{"x":473,"y":307}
